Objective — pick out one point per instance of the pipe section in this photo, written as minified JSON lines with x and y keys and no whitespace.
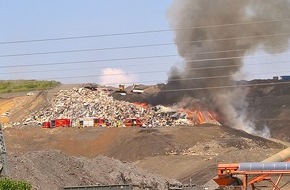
{"x":260,"y":166}
{"x":282,"y":156}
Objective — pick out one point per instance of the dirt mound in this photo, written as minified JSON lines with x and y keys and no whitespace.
{"x":144,"y":143}
{"x":48,"y":170}
{"x":28,"y":105}
{"x":175,"y":152}
{"x":88,"y":142}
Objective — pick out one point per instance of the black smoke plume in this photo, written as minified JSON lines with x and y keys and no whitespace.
{"x":201,"y":28}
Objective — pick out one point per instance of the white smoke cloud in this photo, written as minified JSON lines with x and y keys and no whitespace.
{"x":113,"y":77}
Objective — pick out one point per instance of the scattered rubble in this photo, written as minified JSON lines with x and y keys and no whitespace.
{"x":78,"y":103}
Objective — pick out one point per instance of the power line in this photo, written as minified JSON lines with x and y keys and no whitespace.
{"x":146,"y":72}
{"x":155,"y":81}
{"x":222,"y":87}
{"x":221,"y":76}
{"x":89,"y":61}
{"x":143,"y":32}
{"x":135,"y":58}
{"x":208,"y":88}
{"x":148,"y":45}
{"x":212,"y":77}
{"x":130,"y":65}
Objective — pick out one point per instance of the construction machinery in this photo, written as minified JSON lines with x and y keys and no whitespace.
{"x":137,"y":89}
{"x":243,"y":176}
{"x":121,"y":90}
{"x":91,"y":86}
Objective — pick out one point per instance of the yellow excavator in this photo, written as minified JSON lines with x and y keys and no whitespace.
{"x":121,"y":90}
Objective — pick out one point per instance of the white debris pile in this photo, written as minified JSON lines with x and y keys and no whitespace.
{"x":81,"y":102}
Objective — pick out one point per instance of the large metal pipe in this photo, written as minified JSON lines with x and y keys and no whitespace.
{"x":260,"y":166}
{"x":282,"y":156}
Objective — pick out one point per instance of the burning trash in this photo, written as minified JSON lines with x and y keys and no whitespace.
{"x":85,"y":107}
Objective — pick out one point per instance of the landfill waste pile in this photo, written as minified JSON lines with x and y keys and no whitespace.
{"x":79,"y":103}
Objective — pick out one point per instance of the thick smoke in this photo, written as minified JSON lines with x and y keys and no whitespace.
{"x":200,"y":49}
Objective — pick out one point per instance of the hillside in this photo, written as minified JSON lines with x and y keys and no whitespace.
{"x":180,"y":152}
{"x":12,"y":86}
{"x":270,"y":106}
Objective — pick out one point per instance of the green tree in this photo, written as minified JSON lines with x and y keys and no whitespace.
{"x":11,"y":184}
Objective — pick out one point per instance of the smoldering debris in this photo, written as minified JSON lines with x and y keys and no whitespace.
{"x":79,"y":103}
{"x":213,"y":42}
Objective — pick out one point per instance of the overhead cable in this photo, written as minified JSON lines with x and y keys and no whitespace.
{"x":88,"y":61}
{"x":142,"y":32}
{"x":149,"y":45}
{"x":131,"y":65}
{"x":136,"y":58}
{"x":222,"y":87}
{"x":147,"y":72}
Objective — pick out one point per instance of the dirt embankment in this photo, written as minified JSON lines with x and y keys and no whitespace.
{"x":15,"y":107}
{"x":270,"y":106}
{"x":49,"y":170}
{"x":174,"y":152}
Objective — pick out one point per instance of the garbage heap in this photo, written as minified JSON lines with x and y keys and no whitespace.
{"x":81,"y":102}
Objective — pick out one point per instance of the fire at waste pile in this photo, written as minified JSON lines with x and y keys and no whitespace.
{"x":79,"y":104}
{"x":214,"y":38}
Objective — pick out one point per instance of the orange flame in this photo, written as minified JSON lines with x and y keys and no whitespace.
{"x":143,"y":105}
{"x":197,"y":117}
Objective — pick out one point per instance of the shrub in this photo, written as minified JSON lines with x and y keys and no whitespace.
{"x":11,"y":184}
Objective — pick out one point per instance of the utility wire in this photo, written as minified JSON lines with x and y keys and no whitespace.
{"x":135,"y":58}
{"x":170,"y":80}
{"x":209,"y":88}
{"x":130,"y":65}
{"x":143,"y":32}
{"x":147,"y":45}
{"x":222,"y":87}
{"x":88,"y":61}
{"x":146,"y":72}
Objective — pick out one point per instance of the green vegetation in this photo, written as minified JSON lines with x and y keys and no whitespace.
{"x":7,"y":86}
{"x":10,"y":184}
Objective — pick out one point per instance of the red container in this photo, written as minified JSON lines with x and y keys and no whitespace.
{"x":46,"y":124}
{"x":133,"y":122}
{"x":100,"y":122}
{"x":62,"y":123}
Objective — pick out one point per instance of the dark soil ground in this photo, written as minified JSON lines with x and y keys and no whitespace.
{"x":174,"y":152}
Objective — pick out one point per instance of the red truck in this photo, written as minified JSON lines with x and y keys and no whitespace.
{"x":64,"y":122}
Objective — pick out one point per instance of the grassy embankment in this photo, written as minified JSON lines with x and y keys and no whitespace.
{"x":8,"y":86}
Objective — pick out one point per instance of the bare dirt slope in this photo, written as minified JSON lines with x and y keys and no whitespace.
{"x":180,"y":152}
{"x":49,"y":170}
{"x":15,"y":107}
{"x":270,"y":106}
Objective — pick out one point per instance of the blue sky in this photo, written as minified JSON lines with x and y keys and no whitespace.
{"x":36,"y":19}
